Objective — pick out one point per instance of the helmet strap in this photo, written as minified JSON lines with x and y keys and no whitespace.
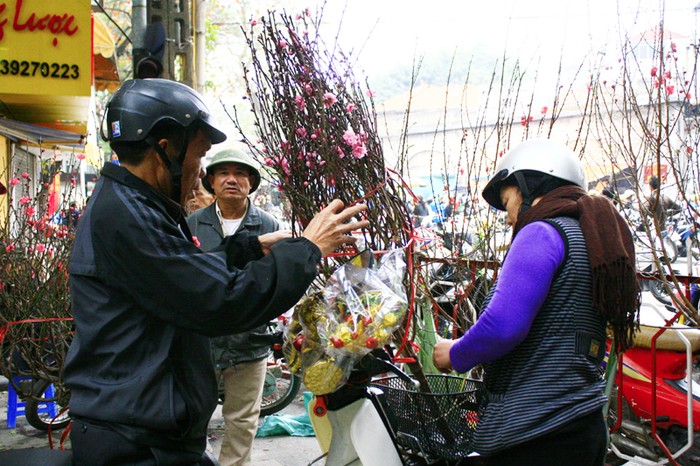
{"x":528,"y":192}
{"x":174,"y":166}
{"x":524,"y":191}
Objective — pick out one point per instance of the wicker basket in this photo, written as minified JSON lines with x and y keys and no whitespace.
{"x":437,"y":425}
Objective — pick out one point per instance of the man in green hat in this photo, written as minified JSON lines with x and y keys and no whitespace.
{"x":232,"y":176}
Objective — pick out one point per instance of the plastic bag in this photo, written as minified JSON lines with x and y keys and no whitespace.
{"x":298,"y":425}
{"x":358,"y":310}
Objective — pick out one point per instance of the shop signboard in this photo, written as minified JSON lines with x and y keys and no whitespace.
{"x":659,"y":171}
{"x":45,"y":47}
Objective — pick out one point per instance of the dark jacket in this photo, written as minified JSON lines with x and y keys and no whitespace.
{"x":659,"y":206}
{"x":204,"y":224}
{"x":145,"y":302}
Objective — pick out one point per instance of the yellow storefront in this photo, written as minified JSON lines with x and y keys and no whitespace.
{"x":49,"y":52}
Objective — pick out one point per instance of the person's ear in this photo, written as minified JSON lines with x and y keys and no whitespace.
{"x":164,"y":145}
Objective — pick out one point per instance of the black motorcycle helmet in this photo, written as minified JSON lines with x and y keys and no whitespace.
{"x":139,"y":105}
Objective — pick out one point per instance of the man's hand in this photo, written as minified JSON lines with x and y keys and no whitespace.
{"x":441,"y":355}
{"x":329,"y":228}
{"x":269,"y":239}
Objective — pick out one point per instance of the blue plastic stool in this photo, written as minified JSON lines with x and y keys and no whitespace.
{"x":16,"y":406}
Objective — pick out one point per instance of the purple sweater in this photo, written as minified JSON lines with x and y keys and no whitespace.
{"x":522,"y":287}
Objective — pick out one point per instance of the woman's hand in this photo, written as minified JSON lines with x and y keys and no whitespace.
{"x":441,"y":355}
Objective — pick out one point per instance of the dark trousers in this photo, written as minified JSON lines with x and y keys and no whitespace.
{"x":98,"y":445}
{"x":582,"y":442}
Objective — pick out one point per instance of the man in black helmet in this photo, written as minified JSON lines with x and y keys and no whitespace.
{"x":145,"y":298}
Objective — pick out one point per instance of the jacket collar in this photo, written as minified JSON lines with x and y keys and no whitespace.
{"x":252,"y":215}
{"x":123,"y":176}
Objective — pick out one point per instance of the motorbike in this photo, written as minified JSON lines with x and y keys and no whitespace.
{"x":686,"y":238}
{"x":654,"y":404}
{"x":37,"y":411}
{"x":648,"y":247}
{"x":381,"y":418}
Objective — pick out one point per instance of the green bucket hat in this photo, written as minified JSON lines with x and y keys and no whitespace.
{"x":233,"y":156}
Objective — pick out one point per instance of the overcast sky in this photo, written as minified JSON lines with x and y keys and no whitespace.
{"x":392,"y":31}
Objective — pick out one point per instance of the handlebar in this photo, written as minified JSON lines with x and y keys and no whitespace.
{"x":274,"y":340}
{"x":267,"y":338}
{"x":378,"y":362}
{"x":358,"y":385}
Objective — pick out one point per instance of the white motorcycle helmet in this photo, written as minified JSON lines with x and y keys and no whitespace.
{"x":532,"y":165}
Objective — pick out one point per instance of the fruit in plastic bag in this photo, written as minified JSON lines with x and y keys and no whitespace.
{"x":323,"y":377}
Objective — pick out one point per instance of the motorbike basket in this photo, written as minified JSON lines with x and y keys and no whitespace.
{"x":438,"y":425}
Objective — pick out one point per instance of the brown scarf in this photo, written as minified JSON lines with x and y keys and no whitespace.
{"x":616,"y":292}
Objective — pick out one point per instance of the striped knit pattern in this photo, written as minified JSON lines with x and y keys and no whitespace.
{"x":548,"y":380}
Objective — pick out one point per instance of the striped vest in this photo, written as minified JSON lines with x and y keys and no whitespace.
{"x":554,"y":376}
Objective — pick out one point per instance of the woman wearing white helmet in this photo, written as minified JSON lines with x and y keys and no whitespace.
{"x":569,"y":272}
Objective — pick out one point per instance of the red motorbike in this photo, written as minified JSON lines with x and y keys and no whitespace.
{"x":654,"y":412}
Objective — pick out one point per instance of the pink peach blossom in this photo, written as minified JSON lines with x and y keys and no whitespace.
{"x":329,"y":99}
{"x":359,"y":151}
{"x":350,"y":137}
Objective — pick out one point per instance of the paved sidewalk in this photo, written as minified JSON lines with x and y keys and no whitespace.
{"x":267,"y":451}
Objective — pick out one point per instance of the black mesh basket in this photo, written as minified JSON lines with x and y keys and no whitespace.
{"x":437,"y":425}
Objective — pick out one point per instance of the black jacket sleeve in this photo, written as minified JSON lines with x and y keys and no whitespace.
{"x":240,"y":249}
{"x":215,"y":293}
